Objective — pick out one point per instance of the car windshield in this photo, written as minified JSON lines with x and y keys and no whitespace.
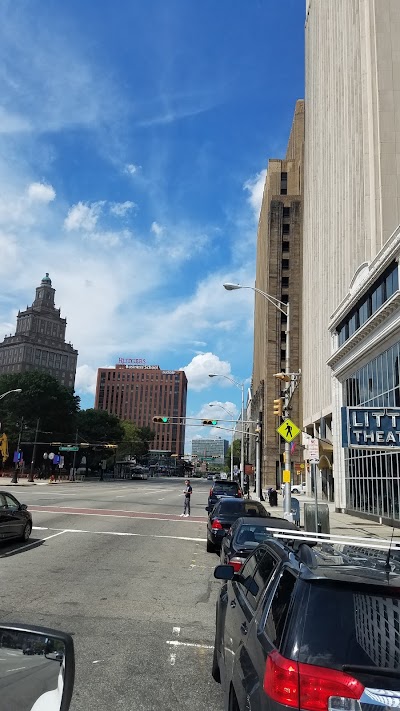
{"x":225,"y":488}
{"x":350,"y":626}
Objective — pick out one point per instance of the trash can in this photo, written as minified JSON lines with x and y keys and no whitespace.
{"x":296,"y":511}
{"x":323,"y":518}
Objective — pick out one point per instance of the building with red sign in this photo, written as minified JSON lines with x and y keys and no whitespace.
{"x":139,"y":392}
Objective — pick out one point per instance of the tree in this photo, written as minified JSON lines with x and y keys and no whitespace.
{"x":237,"y":445}
{"x":98,"y":426}
{"x":42,"y":398}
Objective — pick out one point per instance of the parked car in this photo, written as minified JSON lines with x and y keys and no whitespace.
{"x":210,"y":476}
{"x":15,"y":519}
{"x":223,"y":488}
{"x":308,"y":628}
{"x":246,"y":534}
{"x":299,"y":488}
{"x":225,"y":513}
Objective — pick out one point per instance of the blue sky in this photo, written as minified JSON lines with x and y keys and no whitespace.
{"x":134,"y":139}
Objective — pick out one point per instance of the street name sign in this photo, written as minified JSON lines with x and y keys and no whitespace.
{"x":313,"y":449}
{"x":69,"y":449}
{"x":371,"y":427}
{"x":288,"y":430}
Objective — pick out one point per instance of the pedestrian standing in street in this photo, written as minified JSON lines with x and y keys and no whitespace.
{"x":187,"y":492}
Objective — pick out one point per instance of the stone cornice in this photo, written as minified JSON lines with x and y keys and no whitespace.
{"x":378,"y":318}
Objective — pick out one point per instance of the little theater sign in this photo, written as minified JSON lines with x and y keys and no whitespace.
{"x":371,"y":427}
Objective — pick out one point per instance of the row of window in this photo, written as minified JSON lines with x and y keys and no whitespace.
{"x":130,"y":376}
{"x":369,"y":303}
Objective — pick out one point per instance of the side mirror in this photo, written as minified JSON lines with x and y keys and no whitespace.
{"x":36,"y":683}
{"x":208,"y":508}
{"x":23,"y":507}
{"x":224,"y":572}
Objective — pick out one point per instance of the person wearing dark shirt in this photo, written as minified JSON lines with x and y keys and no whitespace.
{"x":187,"y":492}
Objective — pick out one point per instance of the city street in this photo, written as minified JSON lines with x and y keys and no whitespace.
{"x":115,"y":565}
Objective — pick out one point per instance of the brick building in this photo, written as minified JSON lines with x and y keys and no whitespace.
{"x":278,"y":272}
{"x":138,"y":393}
{"x":39,"y":341}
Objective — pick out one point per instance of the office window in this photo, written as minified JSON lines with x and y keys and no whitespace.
{"x":377,"y":297}
{"x":285,"y":229}
{"x":285,"y":282}
{"x":285,"y":246}
{"x":283,"y":183}
{"x":286,"y":212}
{"x":364,"y":312}
{"x":392,"y":283}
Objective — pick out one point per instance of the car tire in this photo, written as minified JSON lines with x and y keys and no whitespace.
{"x":26,"y":532}
{"x":210,"y":547}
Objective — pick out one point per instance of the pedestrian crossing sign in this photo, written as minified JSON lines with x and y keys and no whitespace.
{"x":288,"y":430}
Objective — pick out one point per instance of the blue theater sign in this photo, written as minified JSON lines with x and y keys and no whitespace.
{"x":371,"y":427}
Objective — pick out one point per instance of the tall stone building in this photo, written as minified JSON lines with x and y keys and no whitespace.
{"x":278,"y":273}
{"x":351,"y":245}
{"x":39,"y":341}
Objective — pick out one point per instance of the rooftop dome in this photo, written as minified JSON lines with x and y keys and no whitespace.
{"x":46,"y":280}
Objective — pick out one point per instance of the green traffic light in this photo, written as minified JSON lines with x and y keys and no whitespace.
{"x":214,"y":422}
{"x":165,"y":419}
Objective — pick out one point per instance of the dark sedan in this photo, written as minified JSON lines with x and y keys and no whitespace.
{"x":245,"y":535}
{"x":15,"y":519}
{"x":225,"y":513}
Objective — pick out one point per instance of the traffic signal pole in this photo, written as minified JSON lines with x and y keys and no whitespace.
{"x":287,"y":492}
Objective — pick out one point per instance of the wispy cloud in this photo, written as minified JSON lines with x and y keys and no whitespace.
{"x":120,"y":209}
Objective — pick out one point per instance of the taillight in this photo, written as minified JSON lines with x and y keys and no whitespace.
{"x":240,"y":495}
{"x":307,"y":686}
{"x":236,"y":563}
{"x":211,"y":492}
{"x":216,"y":525}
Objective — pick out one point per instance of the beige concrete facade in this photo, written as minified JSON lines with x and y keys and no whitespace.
{"x":351,"y":166}
{"x":278,"y":273}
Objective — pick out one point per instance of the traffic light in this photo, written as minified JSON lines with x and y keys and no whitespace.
{"x":110,"y":446}
{"x":163,"y":420}
{"x":210,"y":422}
{"x":278,"y":407}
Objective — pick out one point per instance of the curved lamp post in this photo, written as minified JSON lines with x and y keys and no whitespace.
{"x":284,"y":309}
{"x":221,"y":407}
{"x":241,"y":387}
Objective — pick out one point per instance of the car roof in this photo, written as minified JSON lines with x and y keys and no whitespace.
{"x":339,"y":563}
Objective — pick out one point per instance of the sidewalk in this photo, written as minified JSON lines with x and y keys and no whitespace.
{"x":341,"y":524}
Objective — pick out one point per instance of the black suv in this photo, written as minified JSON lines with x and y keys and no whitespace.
{"x":223,"y":487}
{"x":309,"y":628}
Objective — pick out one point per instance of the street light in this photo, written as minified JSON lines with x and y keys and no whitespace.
{"x":214,"y":404}
{"x":284,"y":309}
{"x":241,"y":387}
{"x":17,"y":390}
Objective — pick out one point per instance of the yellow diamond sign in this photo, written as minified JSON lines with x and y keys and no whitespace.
{"x":288,"y":430}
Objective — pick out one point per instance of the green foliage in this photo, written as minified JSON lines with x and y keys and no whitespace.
{"x":236,"y":453}
{"x":135,"y":441}
{"x":98,"y":426}
{"x":42,"y":397}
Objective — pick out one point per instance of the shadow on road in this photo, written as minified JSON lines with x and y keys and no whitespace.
{"x":14,"y":547}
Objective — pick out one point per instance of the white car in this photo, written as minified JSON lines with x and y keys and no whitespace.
{"x":299,"y":488}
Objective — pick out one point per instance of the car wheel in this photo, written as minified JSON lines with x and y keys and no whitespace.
{"x":210,"y":547}
{"x":295,"y":491}
{"x":27,"y":531}
{"x":215,"y":672}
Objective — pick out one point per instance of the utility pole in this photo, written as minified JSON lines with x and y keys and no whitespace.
{"x":258,"y":460}
{"x":31,"y":477}
{"x":74,"y":459}
{"x":287,"y":512}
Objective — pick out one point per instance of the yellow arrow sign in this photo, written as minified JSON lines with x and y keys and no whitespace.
{"x":288,"y":430}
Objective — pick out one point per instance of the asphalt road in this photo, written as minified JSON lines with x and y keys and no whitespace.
{"x":114,"y":564}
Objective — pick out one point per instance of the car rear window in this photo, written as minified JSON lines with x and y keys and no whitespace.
{"x":252,"y":536}
{"x":232,"y":506}
{"x":345,"y":625}
{"x":226,"y":489}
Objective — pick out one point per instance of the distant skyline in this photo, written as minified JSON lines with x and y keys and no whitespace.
{"x":133,"y":154}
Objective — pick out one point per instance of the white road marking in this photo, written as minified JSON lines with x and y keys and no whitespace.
{"x":176,"y":630}
{"x":138,"y":518}
{"x":97,"y":661}
{"x":15,"y":670}
{"x":162,"y":499}
{"x":117,"y":533}
{"x":177,"y":643}
{"x":32,"y":545}
{"x":172,"y":658}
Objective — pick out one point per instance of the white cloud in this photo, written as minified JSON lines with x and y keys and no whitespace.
{"x":157,"y":229}
{"x":255,"y":188}
{"x":217,"y":412}
{"x":131,"y":169}
{"x":83,"y":216}
{"x":199,"y":368}
{"x":85,"y":381}
{"x":41,"y":192}
{"x":121,"y":208}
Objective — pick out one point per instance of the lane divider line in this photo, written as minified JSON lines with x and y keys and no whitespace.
{"x":177,"y":643}
{"x":118,"y":533}
{"x":33,"y":544}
